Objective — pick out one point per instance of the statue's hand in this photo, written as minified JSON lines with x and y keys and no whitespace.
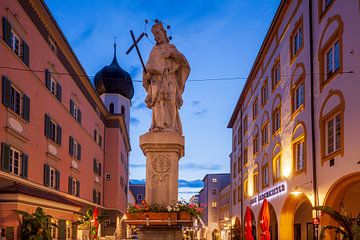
{"x":147,"y":76}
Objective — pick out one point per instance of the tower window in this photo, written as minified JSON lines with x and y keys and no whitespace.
{"x":122,"y":110}
{"x":111,"y":108}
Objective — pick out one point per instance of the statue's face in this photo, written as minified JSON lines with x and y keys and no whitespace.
{"x":160,"y":36}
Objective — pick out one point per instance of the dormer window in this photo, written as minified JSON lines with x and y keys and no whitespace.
{"x":111,"y":108}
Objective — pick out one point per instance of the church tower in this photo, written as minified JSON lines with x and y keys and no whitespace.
{"x":115,"y":87}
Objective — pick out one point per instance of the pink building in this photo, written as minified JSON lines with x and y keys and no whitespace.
{"x":295,"y":123}
{"x":64,"y":144}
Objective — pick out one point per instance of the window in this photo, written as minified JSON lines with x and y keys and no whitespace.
{"x":15,"y":100}
{"x":245,"y":156}
{"x":139,"y":197}
{"x":75,"y":111}
{"x":333,"y":134}
{"x":265,"y":134}
{"x":256,"y":182}
{"x":239,"y":193}
{"x":255,"y":109}
{"x":214,"y":192}
{"x":234,"y":197}
{"x":239,"y":164}
{"x":53,"y":86}
{"x":256,"y":144}
{"x":276,"y":74}
{"x":17,"y":45}
{"x":214,"y":180}
{"x":111,"y":108}
{"x":276,"y":120}
{"x":97,"y":167}
{"x":265,"y":175}
{"x":332,"y":60}
{"x":299,"y":155}
{"x":213,"y":204}
{"x":296,"y":39}
{"x":264,"y":93}
{"x":54,"y":230}
{"x":74,"y":148}
{"x":97,"y":138}
{"x":7,"y":233}
{"x":51,"y":177}
{"x":234,"y":169}
{"x":96,"y":196}
{"x":298,"y":96}
{"x":245,"y":125}
{"x":14,"y":161}
{"x":277,"y":168}
{"x":246,"y":187}
{"x":52,"y":130}
{"x":74,"y":187}
{"x":69,"y":231}
{"x":108,"y":176}
{"x":107,"y":222}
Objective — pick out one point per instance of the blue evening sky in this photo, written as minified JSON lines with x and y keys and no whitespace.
{"x":220,"y":39}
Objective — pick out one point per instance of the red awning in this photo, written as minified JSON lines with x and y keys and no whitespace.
{"x":265,"y":221}
{"x":248,"y":224}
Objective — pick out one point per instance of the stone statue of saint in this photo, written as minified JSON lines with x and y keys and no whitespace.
{"x":164,"y":80}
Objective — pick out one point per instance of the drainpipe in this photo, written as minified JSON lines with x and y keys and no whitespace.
{"x":313,"y":140}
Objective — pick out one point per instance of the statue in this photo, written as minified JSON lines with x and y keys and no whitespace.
{"x":164,"y":81}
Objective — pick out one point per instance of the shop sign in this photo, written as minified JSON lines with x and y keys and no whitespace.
{"x":270,"y":193}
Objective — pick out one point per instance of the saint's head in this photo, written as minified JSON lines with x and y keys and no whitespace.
{"x":159,"y":33}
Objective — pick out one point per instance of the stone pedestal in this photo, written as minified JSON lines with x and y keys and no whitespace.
{"x":160,"y":233}
{"x":163,"y":151}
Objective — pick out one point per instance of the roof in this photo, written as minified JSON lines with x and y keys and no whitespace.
{"x":275,"y":21}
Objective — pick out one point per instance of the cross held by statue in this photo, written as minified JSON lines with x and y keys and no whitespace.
{"x":135,"y":44}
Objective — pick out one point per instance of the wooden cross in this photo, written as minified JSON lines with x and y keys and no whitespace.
{"x":135,"y":44}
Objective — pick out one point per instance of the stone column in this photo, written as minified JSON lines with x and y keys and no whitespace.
{"x":163,"y":151}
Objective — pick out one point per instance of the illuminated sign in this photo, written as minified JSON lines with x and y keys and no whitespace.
{"x":272,"y":192}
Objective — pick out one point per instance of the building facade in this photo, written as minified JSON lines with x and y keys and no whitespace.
{"x":224,"y":213}
{"x":209,"y":198}
{"x":294,"y":125}
{"x":64,"y":144}
{"x":138,"y":191}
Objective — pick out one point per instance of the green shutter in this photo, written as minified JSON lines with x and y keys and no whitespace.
{"x":79,"y":151}
{"x":58,"y":91}
{"x":5,"y":157}
{"x":25,"y":53}
{"x":26,"y":108}
{"x":62,"y":229}
{"x":79,"y":116}
{"x":57,"y":180}
{"x":71,"y":145}
{"x":46,"y":175}
{"x":77,"y":188}
{"x":59,"y":133}
{"x":47,"y":79}
{"x":70,"y":185}
{"x":47,"y":126}
{"x":24,"y":165}
{"x":7,"y":31}
{"x":6,"y":89}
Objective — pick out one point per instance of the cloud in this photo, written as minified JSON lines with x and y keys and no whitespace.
{"x":140,"y":105}
{"x":134,"y":121}
{"x":200,"y":113}
{"x":86,"y":34}
{"x":195,"y":166}
{"x":195,"y":103}
{"x":182,"y":183}
{"x":142,"y":165}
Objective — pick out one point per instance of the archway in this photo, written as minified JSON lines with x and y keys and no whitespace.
{"x":303,"y":227}
{"x":347,"y":191}
{"x":297,"y":209}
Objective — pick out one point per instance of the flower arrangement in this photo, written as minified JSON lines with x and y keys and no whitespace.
{"x":193,"y":209}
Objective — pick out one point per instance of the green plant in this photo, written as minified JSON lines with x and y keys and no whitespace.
{"x":36,"y":226}
{"x":88,"y":220}
{"x":349,"y":226}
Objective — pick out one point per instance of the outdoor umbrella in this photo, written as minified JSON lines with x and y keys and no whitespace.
{"x":96,"y":222}
{"x":265,"y":221}
{"x":248,"y":224}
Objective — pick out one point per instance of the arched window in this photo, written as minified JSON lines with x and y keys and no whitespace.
{"x":265,"y":130}
{"x":256,"y":142}
{"x":276,"y":163}
{"x":111,"y":108}
{"x":256,"y":178}
{"x":265,"y":171}
{"x":299,"y":148}
{"x":276,"y":115}
{"x":246,"y":186}
{"x":298,"y":90}
{"x":122,"y":110}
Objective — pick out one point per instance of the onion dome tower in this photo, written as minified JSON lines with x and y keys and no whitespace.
{"x":115,"y":87}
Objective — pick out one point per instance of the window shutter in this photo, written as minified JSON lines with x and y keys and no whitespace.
{"x":71,"y":107}
{"x":70,"y":185}
{"x":77,"y":188}
{"x":6,"y":87}
{"x":99,"y":169}
{"x":7,"y":31}
{"x":47,"y":79}
{"x":79,"y":152}
{"x":58,"y":91}
{"x":25,"y":53}
{"x":94,"y":195}
{"x":46,"y":175}
{"x":26,"y":108}
{"x":5,"y":157}
{"x":79,"y":116}
{"x":71,"y":146}
{"x":100,"y":141}
{"x":59,"y":133}
{"x":47,"y":125}
{"x":57,"y":180}
{"x":62,"y":229}
{"x":94,"y":165}
{"x":94,"y":134}
{"x":24,"y":165}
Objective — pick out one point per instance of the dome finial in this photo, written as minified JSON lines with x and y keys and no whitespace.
{"x":114,"y":59}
